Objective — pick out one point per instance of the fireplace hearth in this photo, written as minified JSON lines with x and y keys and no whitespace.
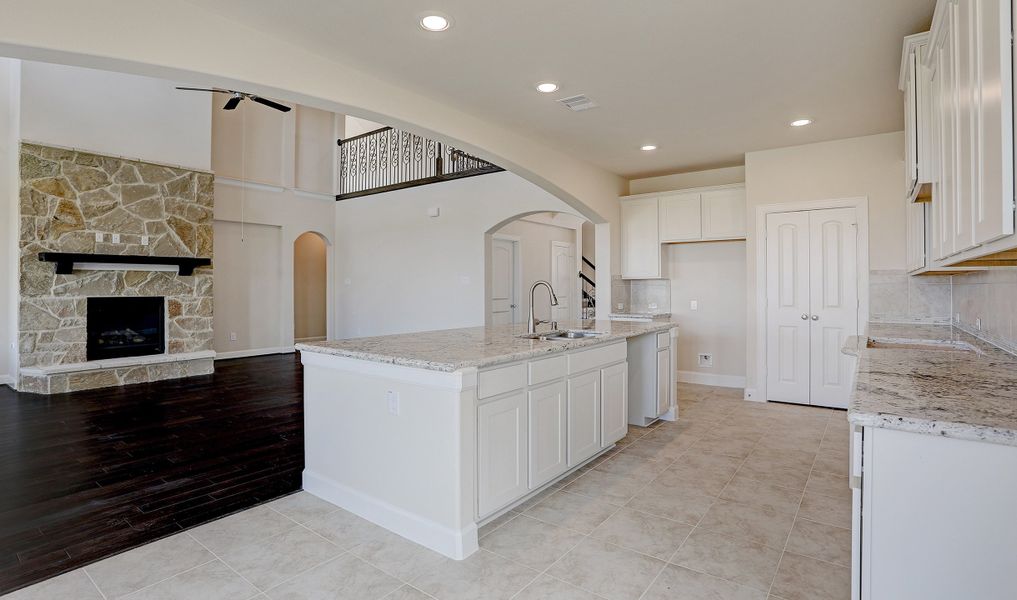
{"x":125,"y":326}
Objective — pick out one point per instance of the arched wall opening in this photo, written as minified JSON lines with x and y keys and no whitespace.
{"x":310,"y":287}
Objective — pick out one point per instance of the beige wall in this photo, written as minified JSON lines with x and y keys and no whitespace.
{"x":310,"y":281}
{"x":680,"y":181}
{"x":870,"y":166}
{"x":535,"y":252}
{"x":988,"y":297}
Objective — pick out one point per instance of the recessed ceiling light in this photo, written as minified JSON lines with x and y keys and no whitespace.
{"x":547,"y":87}
{"x":801,"y":122}
{"x":435,"y":23}
{"x":648,"y":148}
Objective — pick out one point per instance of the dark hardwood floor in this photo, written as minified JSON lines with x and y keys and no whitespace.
{"x":90,"y":474}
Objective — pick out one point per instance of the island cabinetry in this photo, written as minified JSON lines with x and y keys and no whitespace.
{"x":538,"y":419}
{"x":653,"y":378}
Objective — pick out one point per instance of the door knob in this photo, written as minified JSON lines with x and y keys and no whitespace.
{"x":815,"y":317}
{"x":805,"y":317}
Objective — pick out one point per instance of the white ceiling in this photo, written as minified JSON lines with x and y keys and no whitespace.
{"x":705,"y":80}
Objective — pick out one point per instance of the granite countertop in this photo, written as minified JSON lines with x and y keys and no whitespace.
{"x":966,"y":395}
{"x":640,"y":315}
{"x":454,"y":349}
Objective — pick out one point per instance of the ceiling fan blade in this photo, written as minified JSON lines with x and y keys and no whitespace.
{"x":194,"y":89}
{"x":232,"y":102}
{"x":270,"y":103}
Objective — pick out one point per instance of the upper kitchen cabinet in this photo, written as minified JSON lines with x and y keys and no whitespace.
{"x":699,"y":215}
{"x":915,"y":83}
{"x":968,"y":59}
{"x":640,"y":240}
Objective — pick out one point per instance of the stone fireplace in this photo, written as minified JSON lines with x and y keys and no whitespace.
{"x":111,"y":324}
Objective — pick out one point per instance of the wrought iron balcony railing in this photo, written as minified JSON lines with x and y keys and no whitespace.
{"x":388,"y":159}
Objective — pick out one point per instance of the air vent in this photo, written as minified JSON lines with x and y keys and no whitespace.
{"x":578,"y":103}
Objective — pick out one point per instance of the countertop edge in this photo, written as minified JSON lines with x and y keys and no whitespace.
{"x":947,"y":429}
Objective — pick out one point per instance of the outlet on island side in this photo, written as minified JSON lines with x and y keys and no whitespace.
{"x":705,"y":359}
{"x":393,"y":402}
{"x":233,"y":336}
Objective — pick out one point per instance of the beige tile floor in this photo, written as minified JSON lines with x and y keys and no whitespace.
{"x":737,"y":500}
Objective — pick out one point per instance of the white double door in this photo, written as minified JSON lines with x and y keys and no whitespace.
{"x":811,"y":305}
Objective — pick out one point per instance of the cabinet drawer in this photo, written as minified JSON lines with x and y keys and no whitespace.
{"x":663,"y":339}
{"x":600,"y":356}
{"x":501,"y":380}
{"x":547,"y":369}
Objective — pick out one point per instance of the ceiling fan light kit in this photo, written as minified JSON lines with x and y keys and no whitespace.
{"x":236,"y":97}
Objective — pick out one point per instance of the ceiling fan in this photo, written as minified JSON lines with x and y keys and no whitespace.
{"x":236,"y":97}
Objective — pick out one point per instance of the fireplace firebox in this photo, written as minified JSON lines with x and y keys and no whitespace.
{"x":125,"y":326}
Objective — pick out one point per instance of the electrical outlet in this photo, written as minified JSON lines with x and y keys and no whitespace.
{"x":956,"y":317}
{"x":978,"y":324}
{"x":144,"y":240}
{"x":619,"y":306}
{"x":652,"y":306}
{"x":98,"y":237}
{"x":694,"y":305}
{"x":116,"y":238}
{"x":233,"y":336}
{"x":393,"y":402}
{"x":706,"y":360}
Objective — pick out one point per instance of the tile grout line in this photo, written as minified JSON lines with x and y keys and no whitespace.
{"x":228,"y":566}
{"x":94,"y":584}
{"x":188,"y":570}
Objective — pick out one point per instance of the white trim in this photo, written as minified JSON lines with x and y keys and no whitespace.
{"x":861,"y":206}
{"x":99,"y":266}
{"x":117,"y":363}
{"x":456,"y":380}
{"x":456,"y":544}
{"x":253,"y":185}
{"x":730,"y":381}
{"x":254,"y":352}
{"x":313,"y":194}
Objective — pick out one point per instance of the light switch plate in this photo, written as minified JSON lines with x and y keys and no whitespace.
{"x":116,"y":238}
{"x":98,"y":237}
{"x":233,"y":336}
{"x":144,"y":240}
{"x":694,"y":305}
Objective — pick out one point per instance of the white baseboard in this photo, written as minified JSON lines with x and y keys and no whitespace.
{"x":254,"y":352}
{"x":453,"y":544}
{"x":731,"y":381}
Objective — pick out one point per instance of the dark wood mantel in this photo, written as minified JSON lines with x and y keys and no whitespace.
{"x":65,"y":261}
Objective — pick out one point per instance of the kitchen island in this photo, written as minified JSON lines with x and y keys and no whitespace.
{"x":933,"y":465}
{"x":432,"y":434}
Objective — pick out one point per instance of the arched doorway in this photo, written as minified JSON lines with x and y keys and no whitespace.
{"x":310,"y":288}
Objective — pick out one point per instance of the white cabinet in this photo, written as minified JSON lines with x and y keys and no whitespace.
{"x":724,"y":214}
{"x":915,"y":83}
{"x":915,"y":214}
{"x":663,"y":380}
{"x":681,"y":217}
{"x":614,"y":406}
{"x":653,"y":376}
{"x":640,"y":243}
{"x":968,"y":63}
{"x":547,"y":433}
{"x":501,"y":451}
{"x":583,"y":417}
{"x":932,"y":517}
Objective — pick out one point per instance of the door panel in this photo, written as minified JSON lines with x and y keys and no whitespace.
{"x":833,"y":302}
{"x":502,"y":450}
{"x":503,"y":269}
{"x":614,"y":406}
{"x":547,"y":414}
{"x":787,"y":300}
{"x":583,"y":417}
{"x":563,"y":277}
{"x":680,"y":217}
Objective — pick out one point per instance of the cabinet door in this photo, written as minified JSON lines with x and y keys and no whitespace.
{"x":993,"y":211}
{"x":547,"y":414}
{"x":965,"y":77}
{"x":680,"y":217}
{"x":501,"y":452}
{"x":640,"y":244}
{"x":663,"y":380}
{"x":583,"y":417}
{"x":724,"y":213}
{"x":915,"y":235}
{"x":614,"y":403}
{"x":943,"y":205}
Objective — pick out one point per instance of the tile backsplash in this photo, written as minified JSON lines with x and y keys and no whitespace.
{"x":641,"y":295}
{"x":985,"y":305}
{"x":896,"y":297}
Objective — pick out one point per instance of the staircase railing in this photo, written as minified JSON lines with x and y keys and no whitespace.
{"x":389,"y":159}
{"x":589,"y":289}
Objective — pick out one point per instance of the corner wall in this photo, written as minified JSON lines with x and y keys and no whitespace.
{"x":10,"y":102}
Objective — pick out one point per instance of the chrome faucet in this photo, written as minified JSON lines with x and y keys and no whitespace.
{"x":532,"y":322}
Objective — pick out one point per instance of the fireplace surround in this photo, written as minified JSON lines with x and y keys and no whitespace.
{"x":125,"y":326}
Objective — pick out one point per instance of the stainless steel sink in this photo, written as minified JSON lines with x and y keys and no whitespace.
{"x":562,"y":335}
{"x":913,"y":344}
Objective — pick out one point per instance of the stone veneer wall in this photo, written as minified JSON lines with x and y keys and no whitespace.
{"x":68,"y":196}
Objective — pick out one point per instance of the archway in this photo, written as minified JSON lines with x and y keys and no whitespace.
{"x":310,"y":287}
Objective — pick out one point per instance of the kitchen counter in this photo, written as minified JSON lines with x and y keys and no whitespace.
{"x":640,"y":315}
{"x":964,"y":395}
{"x":451,"y":350}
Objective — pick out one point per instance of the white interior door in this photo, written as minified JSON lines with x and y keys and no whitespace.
{"x":833,"y":298}
{"x":503,"y":271}
{"x":787,"y":307}
{"x":812,"y":305}
{"x":563,"y":277}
